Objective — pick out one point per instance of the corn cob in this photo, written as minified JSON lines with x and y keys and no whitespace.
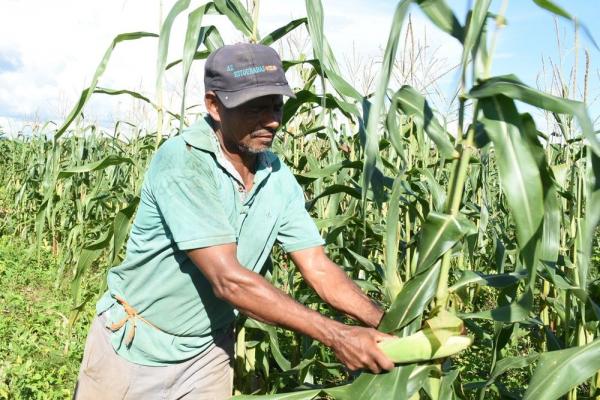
{"x":441,"y":337}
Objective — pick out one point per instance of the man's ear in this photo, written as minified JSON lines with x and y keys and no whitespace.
{"x":213,"y":105}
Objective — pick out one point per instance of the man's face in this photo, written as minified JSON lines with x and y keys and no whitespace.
{"x":251,"y":127}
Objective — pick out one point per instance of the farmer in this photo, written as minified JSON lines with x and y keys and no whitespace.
{"x":214,"y":202}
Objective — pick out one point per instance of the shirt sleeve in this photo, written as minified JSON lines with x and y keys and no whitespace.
{"x":297,"y":230}
{"x":192,"y":210}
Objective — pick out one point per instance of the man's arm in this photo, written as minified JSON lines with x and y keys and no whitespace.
{"x":335,"y":287}
{"x":251,"y":294}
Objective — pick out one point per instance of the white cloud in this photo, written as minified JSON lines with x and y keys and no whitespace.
{"x":55,"y":46}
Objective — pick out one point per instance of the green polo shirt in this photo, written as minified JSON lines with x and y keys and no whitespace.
{"x":192,"y":197}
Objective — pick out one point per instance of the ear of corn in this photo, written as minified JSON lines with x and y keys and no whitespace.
{"x":441,"y":337}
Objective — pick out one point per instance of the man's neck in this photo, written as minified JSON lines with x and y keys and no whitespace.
{"x":243,"y":162}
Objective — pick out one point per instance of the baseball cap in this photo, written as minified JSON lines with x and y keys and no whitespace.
{"x":244,"y":71}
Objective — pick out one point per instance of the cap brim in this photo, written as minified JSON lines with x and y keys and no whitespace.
{"x":234,"y":99}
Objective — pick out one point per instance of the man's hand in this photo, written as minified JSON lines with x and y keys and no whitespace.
{"x":356,"y":347}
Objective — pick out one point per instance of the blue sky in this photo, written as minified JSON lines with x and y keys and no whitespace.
{"x":43,"y":70}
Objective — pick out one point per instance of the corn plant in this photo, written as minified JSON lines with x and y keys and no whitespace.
{"x":481,"y":234}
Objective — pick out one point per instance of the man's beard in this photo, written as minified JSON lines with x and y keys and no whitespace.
{"x":255,"y":149}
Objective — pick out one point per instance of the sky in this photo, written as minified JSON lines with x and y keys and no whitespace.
{"x":49,"y":51}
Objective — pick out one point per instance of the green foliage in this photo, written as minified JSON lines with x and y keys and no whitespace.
{"x":494,"y":222}
{"x":39,"y":354}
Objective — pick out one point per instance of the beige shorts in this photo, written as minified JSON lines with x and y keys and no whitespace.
{"x":105,"y":375}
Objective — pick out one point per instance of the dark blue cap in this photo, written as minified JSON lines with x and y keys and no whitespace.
{"x":244,"y":71}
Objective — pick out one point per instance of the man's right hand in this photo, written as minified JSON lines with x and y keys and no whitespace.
{"x":356,"y":347}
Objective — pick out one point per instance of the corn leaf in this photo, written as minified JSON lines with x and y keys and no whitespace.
{"x":281,"y":32}
{"x":87,"y":93}
{"x":163,"y":41}
{"x":474,"y":29}
{"x":413,"y":104}
{"x":559,"y":371}
{"x":416,"y":293}
{"x":439,"y":234}
{"x":95,"y":166}
{"x":556,"y":9}
{"x":511,"y":86}
{"x":237,"y":14}
{"x":373,"y":123}
{"x":392,"y":278}
{"x":307,"y":97}
{"x":322,"y":51}
{"x":519,"y":174}
{"x":442,"y":16}
{"x":121,"y":225}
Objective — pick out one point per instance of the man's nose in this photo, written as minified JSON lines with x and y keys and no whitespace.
{"x":271,"y":119}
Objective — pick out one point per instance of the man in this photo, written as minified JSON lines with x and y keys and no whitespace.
{"x":213,"y":203}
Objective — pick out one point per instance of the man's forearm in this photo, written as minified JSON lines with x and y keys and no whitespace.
{"x":343,"y":294}
{"x":252,"y":295}
{"x":335,"y":287}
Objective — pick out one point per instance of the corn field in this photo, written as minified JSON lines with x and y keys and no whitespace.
{"x":489,"y":220}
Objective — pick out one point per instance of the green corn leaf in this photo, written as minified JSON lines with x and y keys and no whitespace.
{"x":136,"y":95}
{"x":281,"y":32}
{"x":307,"y":97}
{"x":559,"y":371}
{"x":514,"y":312}
{"x":416,"y":293}
{"x":362,"y":261}
{"x":316,"y":64}
{"x":87,"y":93}
{"x":88,"y":255}
{"x":474,"y":29}
{"x":556,"y":9}
{"x":415,"y":105}
{"x":439,"y":234}
{"x":322,"y":51}
{"x":163,"y":41}
{"x":392,"y":385}
{"x":519,"y":174}
{"x":300,"y":395}
{"x":592,"y":216}
{"x":372,"y":132}
{"x":237,"y":14}
{"x":494,"y":280}
{"x":328,"y":171}
{"x":333,"y":222}
{"x":333,"y":189}
{"x":511,"y":86}
{"x":442,"y":16}
{"x":270,"y":330}
{"x":199,"y":55}
{"x":438,"y":195}
{"x":194,"y":36}
{"x":193,"y":39}
{"x":550,"y":241}
{"x":121,"y":224}
{"x":95,"y":166}
{"x":392,"y":278}
{"x":509,"y":363}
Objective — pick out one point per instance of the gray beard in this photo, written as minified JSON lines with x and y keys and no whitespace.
{"x":253,"y":150}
